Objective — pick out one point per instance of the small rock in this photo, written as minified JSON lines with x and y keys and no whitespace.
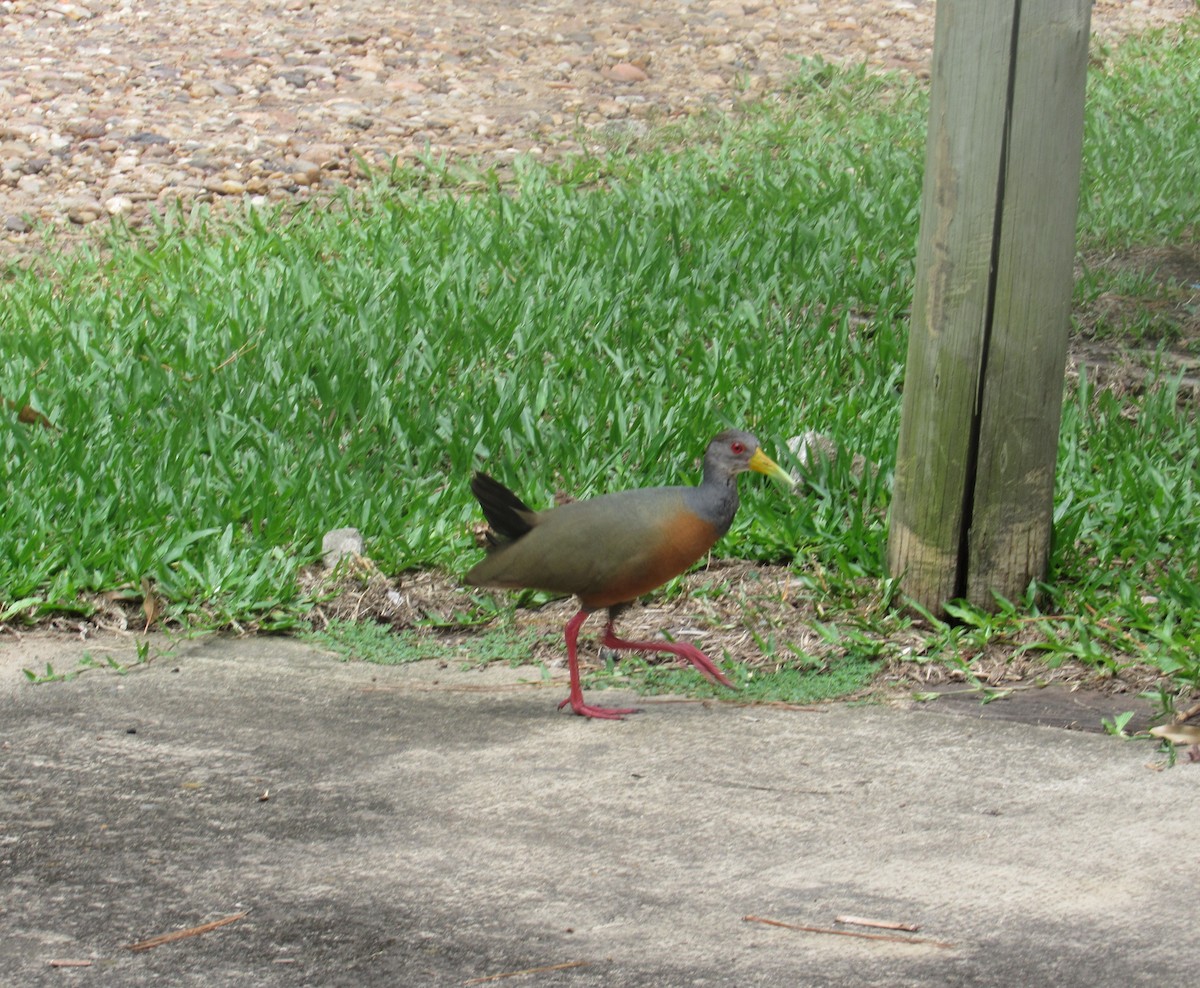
{"x":611,"y":109}
{"x":319,"y":154}
{"x":116,"y":205}
{"x":626,"y":72}
{"x":298,"y":78}
{"x":225,"y":186}
{"x":71,"y":11}
{"x":86,"y":128}
{"x":310,"y":171}
{"x":339,"y":543}
{"x":346,"y":108}
{"x":405,"y":84}
{"x":368,"y":63}
{"x":84,"y":211}
{"x":16,"y":224}
{"x":812,"y":447}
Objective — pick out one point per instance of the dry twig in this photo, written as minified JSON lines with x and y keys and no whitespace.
{"x":243,"y":349}
{"x":881,"y":924}
{"x":193,"y":931}
{"x":848,"y":933}
{"x":528,"y":970}
{"x":1188,"y":714}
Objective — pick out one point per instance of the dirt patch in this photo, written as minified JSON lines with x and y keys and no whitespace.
{"x":1068,"y":706}
{"x":720,"y":608}
{"x":1143,"y":327}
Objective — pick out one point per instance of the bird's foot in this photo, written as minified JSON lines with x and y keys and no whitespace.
{"x":681,"y":650}
{"x":704,"y":665}
{"x":600,"y":713}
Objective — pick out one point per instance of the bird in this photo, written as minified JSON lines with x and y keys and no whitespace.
{"x":611,"y":549}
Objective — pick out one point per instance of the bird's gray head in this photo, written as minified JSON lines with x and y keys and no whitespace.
{"x":733,"y":451}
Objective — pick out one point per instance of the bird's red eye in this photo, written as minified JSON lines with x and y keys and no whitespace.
{"x":737,"y":448}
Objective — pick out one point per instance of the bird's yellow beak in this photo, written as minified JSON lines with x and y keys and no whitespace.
{"x":761,"y":463}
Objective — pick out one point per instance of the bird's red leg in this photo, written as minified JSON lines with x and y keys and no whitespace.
{"x":575,"y":699}
{"x":689,"y":653}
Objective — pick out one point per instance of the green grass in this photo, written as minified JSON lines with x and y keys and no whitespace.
{"x":225,"y":396}
{"x":223,"y":393}
{"x":1141,"y":183}
{"x":88,"y":662}
{"x":784,"y":685}
{"x":368,"y":641}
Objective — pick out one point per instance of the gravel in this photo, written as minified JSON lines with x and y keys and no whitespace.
{"x":115,"y":108}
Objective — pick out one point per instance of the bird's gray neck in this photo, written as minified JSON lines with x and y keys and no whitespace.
{"x":716,"y":500}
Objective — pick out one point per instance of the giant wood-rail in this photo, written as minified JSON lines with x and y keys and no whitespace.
{"x":611,"y":549}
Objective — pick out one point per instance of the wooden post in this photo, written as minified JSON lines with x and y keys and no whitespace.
{"x":973,"y":498}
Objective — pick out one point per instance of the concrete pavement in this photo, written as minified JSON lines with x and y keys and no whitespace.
{"x":396,"y":826}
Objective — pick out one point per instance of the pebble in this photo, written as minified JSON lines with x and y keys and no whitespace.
{"x":627,"y":72}
{"x":115,"y":108}
{"x":340,"y":543}
{"x":116,"y":205}
{"x":225,"y":186}
{"x":83,"y":211}
{"x":305,"y":172}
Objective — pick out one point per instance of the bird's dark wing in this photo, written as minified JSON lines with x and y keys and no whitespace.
{"x":507,"y":514}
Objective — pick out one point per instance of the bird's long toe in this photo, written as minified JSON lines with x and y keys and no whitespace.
{"x":600,"y":713}
{"x":704,"y":665}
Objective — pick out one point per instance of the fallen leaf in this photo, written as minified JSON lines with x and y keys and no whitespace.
{"x":1177,"y":733}
{"x":29,"y":415}
{"x":149,"y":604}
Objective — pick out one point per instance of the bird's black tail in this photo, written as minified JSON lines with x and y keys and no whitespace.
{"x":507,"y":514}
